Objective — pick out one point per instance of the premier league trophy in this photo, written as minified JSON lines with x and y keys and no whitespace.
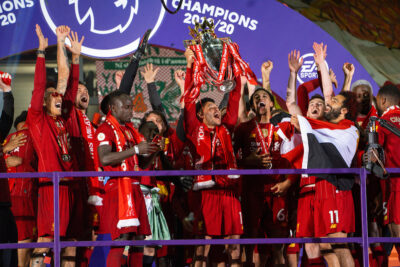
{"x":217,"y":59}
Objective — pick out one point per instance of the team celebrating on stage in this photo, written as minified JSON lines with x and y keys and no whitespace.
{"x":247,"y":130}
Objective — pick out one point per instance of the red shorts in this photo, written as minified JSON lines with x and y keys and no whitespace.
{"x":305,"y":215}
{"x":265,"y":215}
{"x":292,"y":248}
{"x":393,"y":210}
{"x":25,"y":217}
{"x":221,"y":213}
{"x":325,"y":211}
{"x":109,"y":217}
{"x":72,"y":206}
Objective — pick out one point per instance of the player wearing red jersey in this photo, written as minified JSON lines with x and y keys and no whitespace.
{"x":315,"y":190}
{"x":118,"y":145}
{"x":258,"y":144}
{"x":52,"y":145}
{"x":210,"y":135}
{"x":20,"y":157}
{"x":388,"y":100}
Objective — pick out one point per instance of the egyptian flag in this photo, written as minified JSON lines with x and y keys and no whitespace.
{"x":329,"y":145}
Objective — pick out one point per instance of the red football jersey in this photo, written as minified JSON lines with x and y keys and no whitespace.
{"x":18,"y":186}
{"x":49,"y":135}
{"x":390,"y":143}
{"x":105,"y":136}
{"x":245,"y":142}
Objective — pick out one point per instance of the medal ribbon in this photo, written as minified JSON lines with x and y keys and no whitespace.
{"x":62,"y":137}
{"x":265,"y":146}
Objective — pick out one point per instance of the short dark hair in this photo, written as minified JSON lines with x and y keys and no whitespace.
{"x":147,"y":127}
{"x":109,"y":100}
{"x":21,"y":118}
{"x":104,"y":104}
{"x":317,"y":96}
{"x":271,"y":96}
{"x":82,"y":83}
{"x":350,"y":104}
{"x":390,"y":91}
{"x":202,"y":102}
{"x":50,"y":84}
{"x":156,"y":112}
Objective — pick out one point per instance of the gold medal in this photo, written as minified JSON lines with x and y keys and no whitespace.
{"x":265,"y":132}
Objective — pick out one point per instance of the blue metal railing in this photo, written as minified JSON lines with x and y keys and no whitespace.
{"x":57,"y":244}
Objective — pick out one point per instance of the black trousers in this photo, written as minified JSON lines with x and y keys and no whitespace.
{"x":8,"y":234}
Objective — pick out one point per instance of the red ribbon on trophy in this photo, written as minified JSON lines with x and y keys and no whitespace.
{"x":230,"y":64}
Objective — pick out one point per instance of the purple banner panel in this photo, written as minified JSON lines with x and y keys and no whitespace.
{"x":264,"y":30}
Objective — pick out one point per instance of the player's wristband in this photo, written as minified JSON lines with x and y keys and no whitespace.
{"x":41,"y":52}
{"x":136,"y":148}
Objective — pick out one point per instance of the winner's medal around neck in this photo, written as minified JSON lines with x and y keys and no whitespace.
{"x":66,"y":157}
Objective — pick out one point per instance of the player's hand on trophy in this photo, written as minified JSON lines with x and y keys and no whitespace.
{"x":189,"y":54}
{"x":149,"y":73}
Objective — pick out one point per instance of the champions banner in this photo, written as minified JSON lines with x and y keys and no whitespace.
{"x":264,"y":30}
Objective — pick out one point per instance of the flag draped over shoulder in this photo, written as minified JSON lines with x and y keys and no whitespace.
{"x":329,"y":145}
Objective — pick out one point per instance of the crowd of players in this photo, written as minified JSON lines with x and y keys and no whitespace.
{"x":248,"y":130}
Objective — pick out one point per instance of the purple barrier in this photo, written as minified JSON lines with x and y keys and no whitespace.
{"x":57,"y":244}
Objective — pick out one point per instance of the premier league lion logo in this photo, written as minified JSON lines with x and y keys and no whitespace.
{"x":112,"y":28}
{"x":95,"y":14}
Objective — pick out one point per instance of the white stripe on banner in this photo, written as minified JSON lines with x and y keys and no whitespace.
{"x":345,"y":140}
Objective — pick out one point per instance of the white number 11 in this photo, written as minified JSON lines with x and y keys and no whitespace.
{"x":336,"y":212}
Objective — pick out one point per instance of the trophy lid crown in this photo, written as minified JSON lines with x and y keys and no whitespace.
{"x":201,"y":28}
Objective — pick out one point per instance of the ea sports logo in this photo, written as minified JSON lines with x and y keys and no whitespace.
{"x":112,"y":28}
{"x":308,"y":70}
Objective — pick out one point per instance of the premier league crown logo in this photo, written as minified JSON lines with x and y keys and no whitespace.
{"x":112,"y":28}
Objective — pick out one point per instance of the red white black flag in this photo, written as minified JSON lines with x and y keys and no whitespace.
{"x":329,"y":145}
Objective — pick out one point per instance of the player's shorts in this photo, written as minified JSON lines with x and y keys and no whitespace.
{"x":221,"y":213}
{"x":325,"y":211}
{"x":292,"y":248}
{"x":25,"y":217}
{"x":305,"y":214}
{"x":73,"y":222}
{"x":265,"y":215}
{"x":109,"y":217}
{"x":393,"y":210}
